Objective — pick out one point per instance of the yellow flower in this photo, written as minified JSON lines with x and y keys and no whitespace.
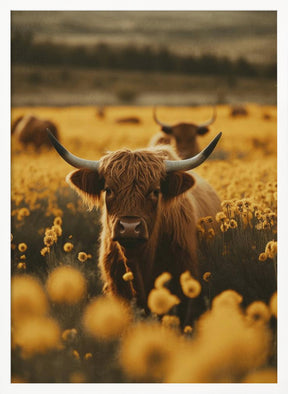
{"x":271,"y":249}
{"x":27,"y":298}
{"x":68,"y":246}
{"x":75,"y":355}
{"x":227,"y":298}
{"x":44,"y":251}
{"x":207,"y":276}
{"x":77,"y":377}
{"x":162,"y":279}
{"x":128,"y":276}
{"x":57,"y":221}
{"x":262,"y":257}
{"x":171,"y":321}
{"x":220,"y":217}
{"x":188,"y":330}
{"x":146,"y":352}
{"x":233,"y":223}
{"x":160,"y":300}
{"x":21,"y":266}
{"x":208,"y":219}
{"x":22,"y":247}
{"x":106,"y":318}
{"x":224,"y":227}
{"x":49,"y":240}
{"x":258,"y":312}
{"x":23,"y":212}
{"x":82,"y":256}
{"x":66,"y":285}
{"x":88,"y":356}
{"x":273,"y":304}
{"x":190,"y":286}
{"x":37,"y":335}
{"x":69,"y":335}
{"x":57,"y":230}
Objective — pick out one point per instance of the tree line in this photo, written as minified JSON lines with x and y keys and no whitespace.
{"x":25,"y":50}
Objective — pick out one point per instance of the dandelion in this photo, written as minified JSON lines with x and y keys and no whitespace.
{"x":37,"y":335}
{"x":57,"y":230}
{"x":27,"y":298}
{"x":190,"y":286}
{"x":271,"y":249}
{"x":220,"y":217}
{"x":162,"y":279}
{"x":57,"y":221}
{"x":188,"y":330}
{"x":273,"y":304}
{"x":128,"y":276}
{"x":262,"y":257}
{"x":258,"y":311}
{"x":207,"y":276}
{"x":82,"y":256}
{"x":68,"y":246}
{"x":160,"y":300}
{"x":23,"y":212}
{"x":49,"y":240}
{"x":147,"y":350}
{"x":44,"y":251}
{"x":200,"y":230}
{"x":233,"y":224}
{"x":75,"y":355}
{"x":66,"y":285}
{"x":22,"y":247}
{"x":106,"y":318}
{"x":227,"y":298}
{"x":88,"y":356}
{"x":21,"y":266}
{"x":170,"y":321}
{"x":69,"y":335}
{"x":224,"y":227}
{"x":209,"y":219}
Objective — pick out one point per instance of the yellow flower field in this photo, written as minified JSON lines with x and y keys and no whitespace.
{"x":65,"y":330}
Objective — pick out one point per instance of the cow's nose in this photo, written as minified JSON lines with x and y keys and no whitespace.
{"x":131,"y":228}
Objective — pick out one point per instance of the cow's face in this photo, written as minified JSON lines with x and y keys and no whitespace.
{"x":133,"y":186}
{"x":185,"y":136}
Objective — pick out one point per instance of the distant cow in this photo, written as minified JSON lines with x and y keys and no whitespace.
{"x":150,"y":207}
{"x":129,"y":119}
{"x":182,"y":136}
{"x":31,"y":130}
{"x":238,"y":110}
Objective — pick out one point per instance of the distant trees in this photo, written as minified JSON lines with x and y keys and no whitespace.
{"x":25,"y":50}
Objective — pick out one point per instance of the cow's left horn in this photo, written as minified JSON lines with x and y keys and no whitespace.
{"x":164,"y":127}
{"x":210,"y":121}
{"x":72,"y":159}
{"x":193,"y":162}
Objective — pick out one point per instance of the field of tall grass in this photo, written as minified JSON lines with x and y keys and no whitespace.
{"x":65,"y":331}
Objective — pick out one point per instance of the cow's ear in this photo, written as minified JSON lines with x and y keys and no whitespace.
{"x":202,"y":130}
{"x":176,"y":183}
{"x":88,"y":184}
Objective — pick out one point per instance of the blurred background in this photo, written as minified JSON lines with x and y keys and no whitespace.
{"x":61,"y":58}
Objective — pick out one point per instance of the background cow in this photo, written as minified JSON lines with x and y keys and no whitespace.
{"x":31,"y":130}
{"x":182,"y":136}
{"x":238,"y":110}
{"x":148,"y":216}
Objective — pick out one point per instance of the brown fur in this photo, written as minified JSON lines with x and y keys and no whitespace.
{"x":238,"y":110}
{"x":132,"y":177}
{"x":183,"y":138}
{"x":31,"y":130}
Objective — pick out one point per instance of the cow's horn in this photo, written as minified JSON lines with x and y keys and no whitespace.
{"x":166,"y":128}
{"x":210,"y":121}
{"x":71,"y":159}
{"x":195,"y":161}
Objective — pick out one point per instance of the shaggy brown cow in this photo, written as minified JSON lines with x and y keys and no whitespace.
{"x":182,"y":136}
{"x":150,"y":209}
{"x":31,"y":130}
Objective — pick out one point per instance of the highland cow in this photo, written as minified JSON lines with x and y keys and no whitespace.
{"x":150,"y":208}
{"x":30,"y":130}
{"x":182,"y":136}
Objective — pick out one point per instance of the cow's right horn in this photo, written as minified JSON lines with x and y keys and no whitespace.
{"x":195,"y":161}
{"x":70,"y":158}
{"x":164,"y":127}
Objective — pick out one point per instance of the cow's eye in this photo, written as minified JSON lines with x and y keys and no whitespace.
{"x":108,"y":191}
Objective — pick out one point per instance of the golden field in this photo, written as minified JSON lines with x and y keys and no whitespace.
{"x":63,"y":330}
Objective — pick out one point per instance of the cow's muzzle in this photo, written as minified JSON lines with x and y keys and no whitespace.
{"x":129,"y":229}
